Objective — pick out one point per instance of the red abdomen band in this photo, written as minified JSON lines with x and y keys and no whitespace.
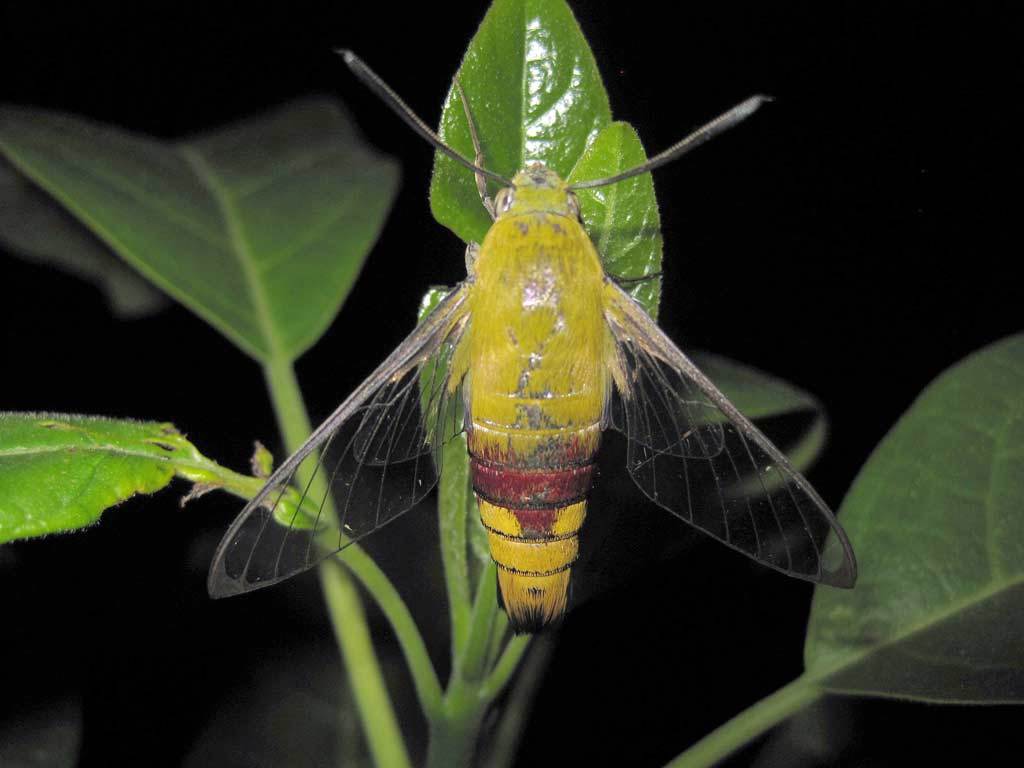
{"x":515,"y":488}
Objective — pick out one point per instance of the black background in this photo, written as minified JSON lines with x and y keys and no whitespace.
{"x":853,"y":238}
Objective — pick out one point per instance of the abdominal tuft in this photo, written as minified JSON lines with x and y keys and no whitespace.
{"x":533,"y":602}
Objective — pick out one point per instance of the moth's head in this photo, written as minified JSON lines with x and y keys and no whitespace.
{"x":537,"y":189}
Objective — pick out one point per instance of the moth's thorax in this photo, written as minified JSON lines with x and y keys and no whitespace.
{"x":536,"y":258}
{"x":537,"y":340}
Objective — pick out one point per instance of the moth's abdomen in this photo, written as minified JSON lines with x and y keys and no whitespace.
{"x":533,"y":516}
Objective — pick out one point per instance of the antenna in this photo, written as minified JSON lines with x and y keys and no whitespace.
{"x":708,"y":131}
{"x":372,"y":80}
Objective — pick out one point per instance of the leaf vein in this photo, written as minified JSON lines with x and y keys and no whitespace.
{"x":142,"y":197}
{"x":240,"y":247}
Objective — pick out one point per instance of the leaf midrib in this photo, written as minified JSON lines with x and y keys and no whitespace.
{"x":991,"y":590}
{"x":239,"y":247}
{"x":105,"y":449}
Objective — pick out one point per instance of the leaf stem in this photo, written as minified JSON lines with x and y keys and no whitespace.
{"x":505,"y":666}
{"x":497,"y":642}
{"x":454,"y":495}
{"x":206,"y":472}
{"x":749,"y":724}
{"x":373,"y":579}
{"x":289,"y":407}
{"x":345,"y":609}
{"x":364,"y":674}
{"x":505,"y":741}
{"x":471,"y":665}
{"x":453,"y":735}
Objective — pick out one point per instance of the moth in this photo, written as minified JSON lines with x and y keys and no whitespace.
{"x":534,"y":355}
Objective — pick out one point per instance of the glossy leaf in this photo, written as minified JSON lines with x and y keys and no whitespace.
{"x":60,"y":472}
{"x":37,"y":229}
{"x":535,"y":94}
{"x":937,"y":517}
{"x":260,"y":228}
{"x":622,"y":219}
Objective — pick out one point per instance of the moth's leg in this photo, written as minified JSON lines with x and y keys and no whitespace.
{"x":481,"y":180}
{"x":472,"y":251}
{"x":626,"y":282}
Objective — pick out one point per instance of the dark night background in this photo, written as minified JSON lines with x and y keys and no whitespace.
{"x":852,"y":238}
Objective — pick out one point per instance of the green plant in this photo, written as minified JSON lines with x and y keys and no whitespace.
{"x":261,"y":229}
{"x":936,"y":515}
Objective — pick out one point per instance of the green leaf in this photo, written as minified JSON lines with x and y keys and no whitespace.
{"x":59,"y":472}
{"x":259,"y":228}
{"x":937,"y":519}
{"x":622,"y":219}
{"x":761,"y":396}
{"x":535,"y":94}
{"x":37,"y":229}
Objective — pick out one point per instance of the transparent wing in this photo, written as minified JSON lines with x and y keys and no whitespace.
{"x":377,"y":454}
{"x":694,"y":454}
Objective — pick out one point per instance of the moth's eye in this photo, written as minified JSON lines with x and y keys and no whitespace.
{"x":574,"y":205}
{"x":503,"y":201}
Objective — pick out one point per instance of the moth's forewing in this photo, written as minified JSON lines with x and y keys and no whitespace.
{"x":369,"y":462}
{"x":693,"y":453}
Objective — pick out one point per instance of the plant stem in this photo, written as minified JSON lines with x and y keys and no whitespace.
{"x":506,"y":665}
{"x":345,"y":608}
{"x":749,"y":724}
{"x":371,"y":696}
{"x":453,"y":500}
{"x":497,"y":641}
{"x":453,"y":737}
{"x":424,"y":678}
{"x":505,"y":742}
{"x":472,"y":664}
